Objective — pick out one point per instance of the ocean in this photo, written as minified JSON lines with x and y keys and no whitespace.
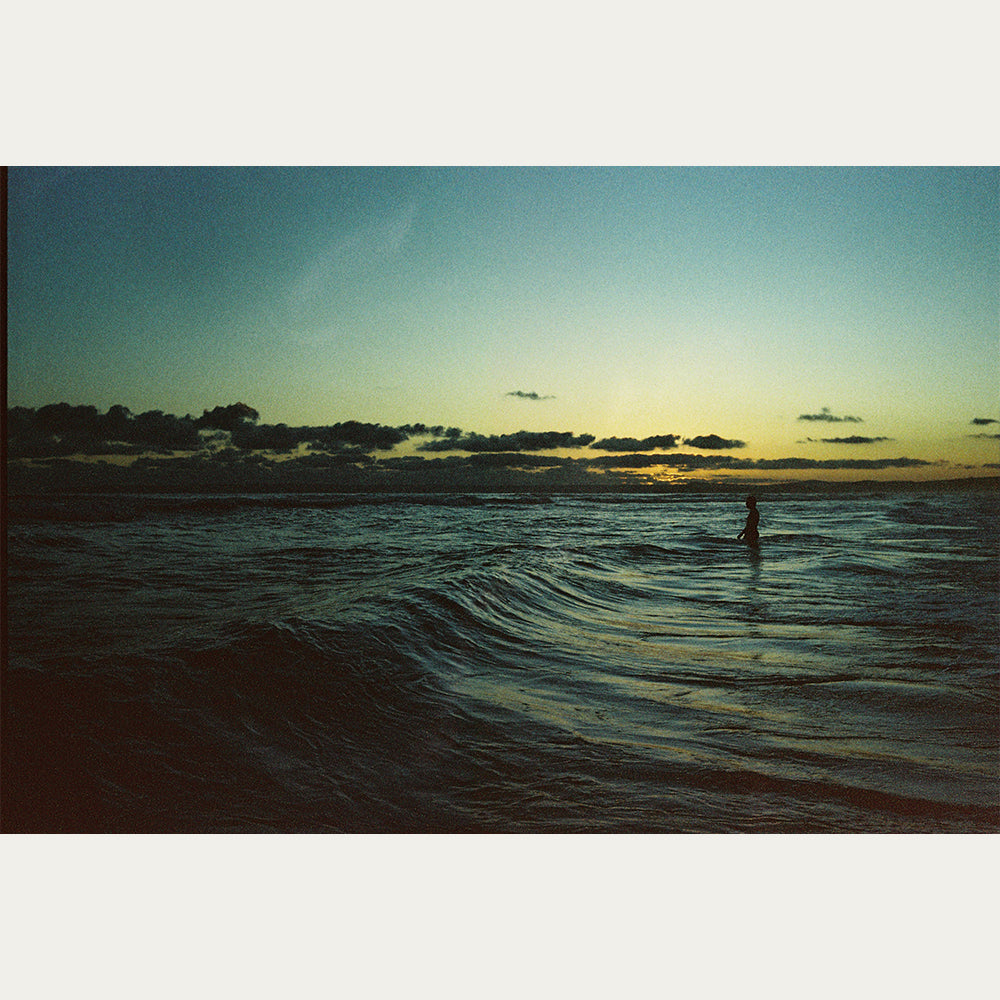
{"x":312,"y":663}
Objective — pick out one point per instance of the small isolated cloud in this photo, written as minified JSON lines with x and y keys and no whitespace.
{"x":983,"y":421}
{"x":636,"y":444}
{"x":854,"y":439}
{"x":825,"y":416}
{"x":519,"y":394}
{"x":713,"y":442}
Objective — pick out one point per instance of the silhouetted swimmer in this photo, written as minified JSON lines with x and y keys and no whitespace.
{"x":749,"y":533}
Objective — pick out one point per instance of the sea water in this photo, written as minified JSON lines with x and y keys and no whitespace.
{"x":618,"y":663}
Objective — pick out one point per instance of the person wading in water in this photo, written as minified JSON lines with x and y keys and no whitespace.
{"x":750,"y":534}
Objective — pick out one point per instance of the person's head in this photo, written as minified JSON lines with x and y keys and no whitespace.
{"x":751,"y":501}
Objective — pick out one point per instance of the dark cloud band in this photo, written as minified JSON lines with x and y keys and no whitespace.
{"x":855,"y":439}
{"x":521,"y":441}
{"x":689,"y":463}
{"x":635,"y":444}
{"x":230,"y":435}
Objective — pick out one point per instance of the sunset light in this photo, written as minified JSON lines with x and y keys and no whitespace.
{"x":810,"y":322}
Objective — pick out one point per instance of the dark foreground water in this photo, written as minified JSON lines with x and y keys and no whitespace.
{"x":487,"y":663}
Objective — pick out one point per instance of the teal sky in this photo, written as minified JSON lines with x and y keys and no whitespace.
{"x":634,"y":302}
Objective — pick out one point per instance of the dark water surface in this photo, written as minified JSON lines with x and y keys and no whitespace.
{"x":491,"y":663}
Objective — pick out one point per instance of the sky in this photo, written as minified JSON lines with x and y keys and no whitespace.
{"x":821,"y":313}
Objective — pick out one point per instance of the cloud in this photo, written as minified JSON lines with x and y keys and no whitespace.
{"x":633,"y":460}
{"x":235,"y":471}
{"x":983,"y":421}
{"x":521,"y":441}
{"x":508,"y":459}
{"x":826,"y":416}
{"x":226,"y":418}
{"x":518,"y":394}
{"x":333,"y":438}
{"x":419,"y":430}
{"x":340,"y":457}
{"x":713,"y":442}
{"x":689,"y":463}
{"x":839,"y":463}
{"x":634,"y":444}
{"x":854,"y":439}
{"x":353,"y":432}
{"x":989,"y":436}
{"x":61,"y":429}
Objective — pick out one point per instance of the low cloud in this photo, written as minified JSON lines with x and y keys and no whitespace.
{"x":840,"y":463}
{"x":635,"y":444}
{"x":521,"y":441}
{"x":233,"y":471}
{"x":518,"y":394}
{"x":61,"y":429}
{"x":226,"y":418}
{"x":689,"y":463}
{"x":825,"y":416}
{"x":332,"y":438}
{"x":437,"y":431}
{"x":855,"y":439}
{"x":226,"y":449}
{"x":713,"y":442}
